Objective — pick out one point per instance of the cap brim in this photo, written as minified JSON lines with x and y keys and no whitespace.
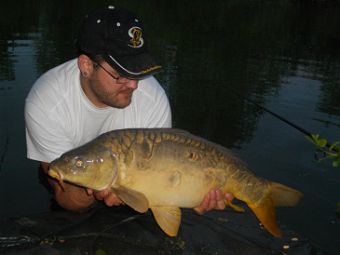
{"x":135,"y":67}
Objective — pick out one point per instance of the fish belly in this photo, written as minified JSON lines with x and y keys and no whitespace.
{"x":178,"y":188}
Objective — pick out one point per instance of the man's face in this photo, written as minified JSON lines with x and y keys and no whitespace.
{"x":110,"y":88}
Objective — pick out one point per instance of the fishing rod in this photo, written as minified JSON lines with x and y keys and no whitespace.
{"x":300,"y":129}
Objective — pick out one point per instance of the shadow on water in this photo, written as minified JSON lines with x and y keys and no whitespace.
{"x":284,"y":55}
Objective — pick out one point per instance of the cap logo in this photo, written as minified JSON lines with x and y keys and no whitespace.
{"x":136,"y":40}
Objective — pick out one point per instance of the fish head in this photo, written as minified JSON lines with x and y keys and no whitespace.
{"x":92,"y":167}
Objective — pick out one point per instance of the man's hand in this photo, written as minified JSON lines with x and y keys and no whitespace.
{"x":213,"y":200}
{"x":106,"y":195}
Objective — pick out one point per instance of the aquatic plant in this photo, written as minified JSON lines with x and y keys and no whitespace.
{"x":326,"y":150}
{"x":100,"y":252}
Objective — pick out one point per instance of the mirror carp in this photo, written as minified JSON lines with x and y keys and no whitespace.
{"x":167,"y":169}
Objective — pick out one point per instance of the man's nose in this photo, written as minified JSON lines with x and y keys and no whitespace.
{"x":132,"y":84}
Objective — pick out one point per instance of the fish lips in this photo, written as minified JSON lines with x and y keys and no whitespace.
{"x":58,"y":176}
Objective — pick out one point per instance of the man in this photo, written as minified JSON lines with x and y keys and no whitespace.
{"x":109,"y":86}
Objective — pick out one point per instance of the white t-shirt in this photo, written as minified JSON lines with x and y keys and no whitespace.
{"x":60,"y":117}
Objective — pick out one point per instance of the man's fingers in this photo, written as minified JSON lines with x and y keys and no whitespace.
{"x":205,"y":204}
{"x":112,"y":199}
{"x":212,"y":202}
{"x":229,"y":196}
{"x":215,"y":199}
{"x":101,"y":195}
{"x":89,"y":192}
{"x":107,"y":196}
{"x":220,"y":203}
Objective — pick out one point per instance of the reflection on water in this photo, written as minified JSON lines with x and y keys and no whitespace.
{"x":283,"y":55}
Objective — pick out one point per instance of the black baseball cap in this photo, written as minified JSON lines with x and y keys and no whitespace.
{"x":117,"y":36}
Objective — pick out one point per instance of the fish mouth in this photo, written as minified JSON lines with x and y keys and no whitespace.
{"x":58,"y":177}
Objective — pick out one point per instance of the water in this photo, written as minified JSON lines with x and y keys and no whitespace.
{"x":283,"y":55}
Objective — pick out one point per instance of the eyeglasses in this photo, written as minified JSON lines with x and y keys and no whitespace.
{"x":118,"y":79}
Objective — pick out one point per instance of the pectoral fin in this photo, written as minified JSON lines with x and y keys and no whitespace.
{"x":132,"y":198}
{"x":168,"y":218}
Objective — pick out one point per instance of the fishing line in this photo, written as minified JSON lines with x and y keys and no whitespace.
{"x":302,"y":130}
{"x":295,"y":126}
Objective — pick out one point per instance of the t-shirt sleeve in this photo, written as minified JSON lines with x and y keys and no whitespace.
{"x":156,"y":107}
{"x":160,"y":113}
{"x":45,"y":138}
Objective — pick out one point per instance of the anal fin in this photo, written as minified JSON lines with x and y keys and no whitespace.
{"x":235,"y":207}
{"x":168,"y":218}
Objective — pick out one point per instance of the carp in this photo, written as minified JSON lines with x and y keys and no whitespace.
{"x":167,"y":169}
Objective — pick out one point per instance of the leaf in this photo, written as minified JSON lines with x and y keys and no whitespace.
{"x":335,"y":146}
{"x":100,"y":252}
{"x":313,"y":138}
{"x":322,"y":142}
{"x":332,"y":151}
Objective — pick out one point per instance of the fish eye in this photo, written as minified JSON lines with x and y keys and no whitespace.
{"x":79,"y":163}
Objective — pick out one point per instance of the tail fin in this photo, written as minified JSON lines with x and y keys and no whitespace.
{"x":283,"y":195}
{"x":278,"y":195}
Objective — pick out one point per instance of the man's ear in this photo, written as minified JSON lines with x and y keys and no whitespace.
{"x":85,"y":65}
